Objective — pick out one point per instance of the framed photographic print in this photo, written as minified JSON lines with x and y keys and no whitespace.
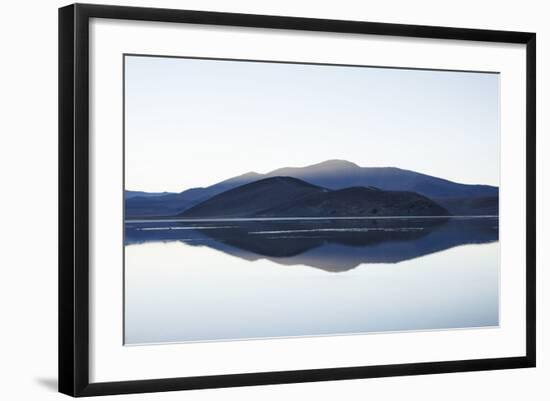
{"x":249,"y":199}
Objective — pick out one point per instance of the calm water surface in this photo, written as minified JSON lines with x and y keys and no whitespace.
{"x":206,"y":280}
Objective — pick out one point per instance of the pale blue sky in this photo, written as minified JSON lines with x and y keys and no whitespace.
{"x":196,"y":122}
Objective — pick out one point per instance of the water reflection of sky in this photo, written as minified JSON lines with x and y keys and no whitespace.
{"x":202,"y":289}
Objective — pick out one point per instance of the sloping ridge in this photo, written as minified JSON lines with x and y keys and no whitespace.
{"x":291,"y":197}
{"x":250,"y":199}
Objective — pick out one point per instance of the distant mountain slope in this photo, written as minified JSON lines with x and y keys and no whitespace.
{"x":290,"y":197}
{"x":132,"y":194}
{"x":250,"y":199}
{"x":158,"y":206}
{"x":333,"y":174}
{"x":149,"y":204}
{"x":339,"y":174}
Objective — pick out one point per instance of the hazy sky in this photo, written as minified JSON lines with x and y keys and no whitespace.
{"x":196,"y":122}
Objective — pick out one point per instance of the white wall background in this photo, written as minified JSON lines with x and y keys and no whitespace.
{"x":28,"y":228}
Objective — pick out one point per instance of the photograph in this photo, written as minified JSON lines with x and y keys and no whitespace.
{"x":282,"y":199}
{"x":252,"y":198}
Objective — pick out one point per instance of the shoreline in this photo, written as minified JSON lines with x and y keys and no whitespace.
{"x":235,"y":219}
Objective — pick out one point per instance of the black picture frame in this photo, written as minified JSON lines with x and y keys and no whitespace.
{"x":74,"y":201}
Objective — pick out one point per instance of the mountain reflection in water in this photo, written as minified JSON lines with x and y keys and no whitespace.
{"x":333,"y":245}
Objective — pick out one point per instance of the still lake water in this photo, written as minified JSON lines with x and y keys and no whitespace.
{"x":207,"y":280}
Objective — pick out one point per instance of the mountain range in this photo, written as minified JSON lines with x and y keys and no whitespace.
{"x":291,"y":197}
{"x":331,"y":188}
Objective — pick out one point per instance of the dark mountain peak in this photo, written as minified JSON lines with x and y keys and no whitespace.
{"x":241,"y":179}
{"x":282,"y":196}
{"x":280,"y":180}
{"x":281,"y":183}
{"x":252,"y":198}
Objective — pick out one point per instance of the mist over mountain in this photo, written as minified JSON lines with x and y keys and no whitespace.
{"x":339,"y":174}
{"x":463,"y":199}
